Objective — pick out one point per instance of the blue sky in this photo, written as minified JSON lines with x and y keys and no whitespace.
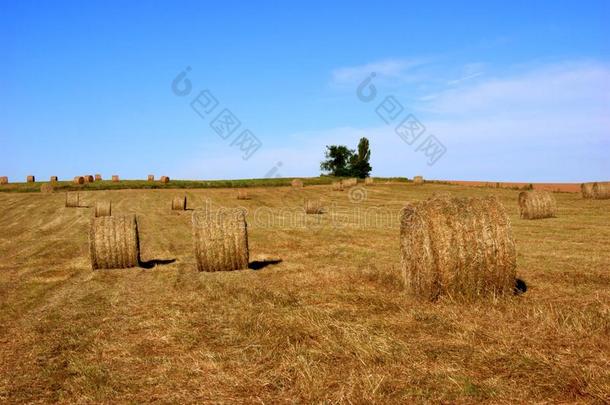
{"x":512,"y":91}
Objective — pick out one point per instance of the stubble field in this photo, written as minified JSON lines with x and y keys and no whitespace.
{"x":330,"y":323}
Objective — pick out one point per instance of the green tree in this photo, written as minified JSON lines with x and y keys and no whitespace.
{"x":337,"y":163}
{"x":359,"y":162}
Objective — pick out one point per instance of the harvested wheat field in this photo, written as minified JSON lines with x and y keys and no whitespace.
{"x":332,"y":322}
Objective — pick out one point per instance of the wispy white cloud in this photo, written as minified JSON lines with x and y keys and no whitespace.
{"x":387,"y":69}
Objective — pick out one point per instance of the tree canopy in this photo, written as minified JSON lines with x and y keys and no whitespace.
{"x":344,"y":162}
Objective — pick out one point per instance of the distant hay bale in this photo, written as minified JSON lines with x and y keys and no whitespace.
{"x":313,"y":206}
{"x":72,"y":200}
{"x":349,"y":182}
{"x":103,"y":209}
{"x":164,"y":179}
{"x":418,"y":180}
{"x":368,"y":181}
{"x":537,"y":204}
{"x":586,"y":190}
{"x":151,"y":177}
{"x":31,"y":179}
{"x":53,"y":179}
{"x":4,"y":180}
{"x":242,"y":195}
{"x":457,"y":247}
{"x":89,"y":178}
{"x":296,"y":183}
{"x":79,"y":180}
{"x":115,"y":178}
{"x":179,"y":203}
{"x":98,"y":177}
{"x":114,"y":242}
{"x":601,"y":190}
{"x":46,"y":188}
{"x":441,"y":194}
{"x":337,"y":186}
{"x":220,"y":240}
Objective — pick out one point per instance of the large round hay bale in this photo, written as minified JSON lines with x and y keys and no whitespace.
{"x":103,"y":209}
{"x":72,"y":200}
{"x":418,"y":180}
{"x":313,"y":206}
{"x":337,"y":186}
{"x":179,"y":203}
{"x":586,"y":189}
{"x":46,"y":188}
{"x":220,"y":240}
{"x":114,"y":242}
{"x":4,"y":180}
{"x":296,"y":183}
{"x":349,"y":182}
{"x":89,"y":178}
{"x":151,"y":177}
{"x":79,"y":180}
{"x":457,"y":247}
{"x":31,"y":179}
{"x":243,"y":195}
{"x":537,"y":204}
{"x":601,"y":190}
{"x":115,"y":178}
{"x":164,"y":179}
{"x":368,"y":181}
{"x":98,"y":177}
{"x":53,"y":179}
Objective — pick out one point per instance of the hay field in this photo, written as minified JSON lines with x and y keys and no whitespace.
{"x":330,"y":323}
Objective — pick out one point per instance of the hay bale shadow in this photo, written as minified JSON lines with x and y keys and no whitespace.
{"x":149,"y":264}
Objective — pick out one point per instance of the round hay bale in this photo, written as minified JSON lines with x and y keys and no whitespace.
{"x":601,"y":190}
{"x":31,"y":179}
{"x":115,"y":178}
{"x":537,"y":204}
{"x":114,"y":242}
{"x":98,"y":177}
{"x":368,"y":181}
{"x":349,"y":182}
{"x":79,"y":180}
{"x":4,"y":180}
{"x":337,"y":186}
{"x":586,"y":189}
{"x":220,"y":240}
{"x":103,"y":209}
{"x":457,"y":247}
{"x":164,"y":179}
{"x":179,"y":203}
{"x":53,"y":179}
{"x":243,"y":195}
{"x":418,"y":180}
{"x":89,"y":178}
{"x":72,"y":200}
{"x":46,"y":188}
{"x":151,"y":177}
{"x":296,"y":183}
{"x":313,"y":206}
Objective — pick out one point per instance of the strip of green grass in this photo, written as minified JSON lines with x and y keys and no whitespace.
{"x":173,"y":184}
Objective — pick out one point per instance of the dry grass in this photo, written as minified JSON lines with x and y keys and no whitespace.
{"x":220,"y":240}
{"x":103,"y":209}
{"x":457,"y":247}
{"x":79,"y":180}
{"x":537,"y":204}
{"x":72,"y":200}
{"x":179,"y":203}
{"x":337,"y":186}
{"x":114,"y":243}
{"x":329,"y":324}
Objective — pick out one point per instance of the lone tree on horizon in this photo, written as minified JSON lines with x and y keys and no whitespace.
{"x":344,"y":162}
